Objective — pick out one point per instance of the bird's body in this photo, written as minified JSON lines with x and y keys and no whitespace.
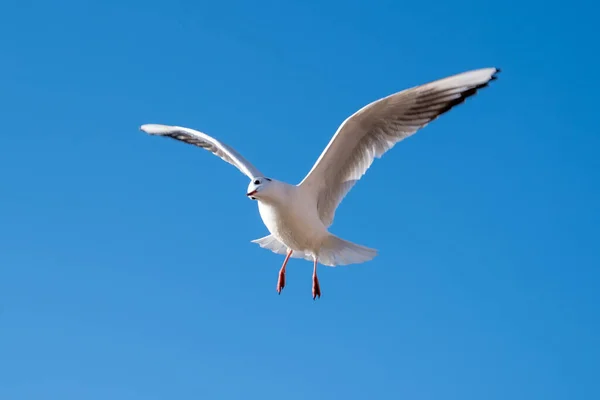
{"x":291,"y":217}
{"x":298,"y":217}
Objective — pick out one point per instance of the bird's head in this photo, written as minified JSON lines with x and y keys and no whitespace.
{"x":259,"y":187}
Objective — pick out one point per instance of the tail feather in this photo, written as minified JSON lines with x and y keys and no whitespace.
{"x":270,"y":242}
{"x":334,"y":251}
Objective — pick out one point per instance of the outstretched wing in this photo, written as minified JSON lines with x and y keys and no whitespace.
{"x":377,"y":127}
{"x":200,"y":139}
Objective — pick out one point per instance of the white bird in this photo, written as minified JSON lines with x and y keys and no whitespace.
{"x":298,"y":216}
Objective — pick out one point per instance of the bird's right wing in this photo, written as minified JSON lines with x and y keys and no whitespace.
{"x":200,"y":139}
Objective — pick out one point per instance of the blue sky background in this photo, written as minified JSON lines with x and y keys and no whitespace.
{"x":126,"y":268}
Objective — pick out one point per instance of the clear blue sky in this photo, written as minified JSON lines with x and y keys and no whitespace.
{"x":126,"y":268}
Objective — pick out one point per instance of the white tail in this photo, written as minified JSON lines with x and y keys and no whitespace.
{"x":334,"y":251}
{"x":270,"y":242}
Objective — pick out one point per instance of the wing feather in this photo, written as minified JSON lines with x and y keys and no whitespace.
{"x":204,"y":141}
{"x":376,"y":128}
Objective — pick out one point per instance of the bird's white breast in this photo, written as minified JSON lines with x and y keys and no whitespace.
{"x":293,"y":220}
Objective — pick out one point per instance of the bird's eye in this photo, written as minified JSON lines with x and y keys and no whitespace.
{"x":256,"y":182}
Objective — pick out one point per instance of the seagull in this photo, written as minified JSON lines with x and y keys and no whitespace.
{"x":298,"y":217}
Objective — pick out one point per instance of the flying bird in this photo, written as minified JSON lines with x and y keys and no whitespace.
{"x":298,"y":216}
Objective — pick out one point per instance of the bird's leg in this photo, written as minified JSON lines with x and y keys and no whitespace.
{"x":316,"y":289}
{"x":281,"y":280}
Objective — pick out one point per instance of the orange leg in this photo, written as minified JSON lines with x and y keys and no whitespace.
{"x":316,"y":289}
{"x":281,"y":280}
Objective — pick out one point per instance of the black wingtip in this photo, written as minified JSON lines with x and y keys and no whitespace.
{"x":495,"y":74}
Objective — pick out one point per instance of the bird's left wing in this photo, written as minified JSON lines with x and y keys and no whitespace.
{"x":211,"y":144}
{"x":376,"y":128}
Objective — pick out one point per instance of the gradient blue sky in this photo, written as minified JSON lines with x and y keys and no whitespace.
{"x":126,"y":268}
